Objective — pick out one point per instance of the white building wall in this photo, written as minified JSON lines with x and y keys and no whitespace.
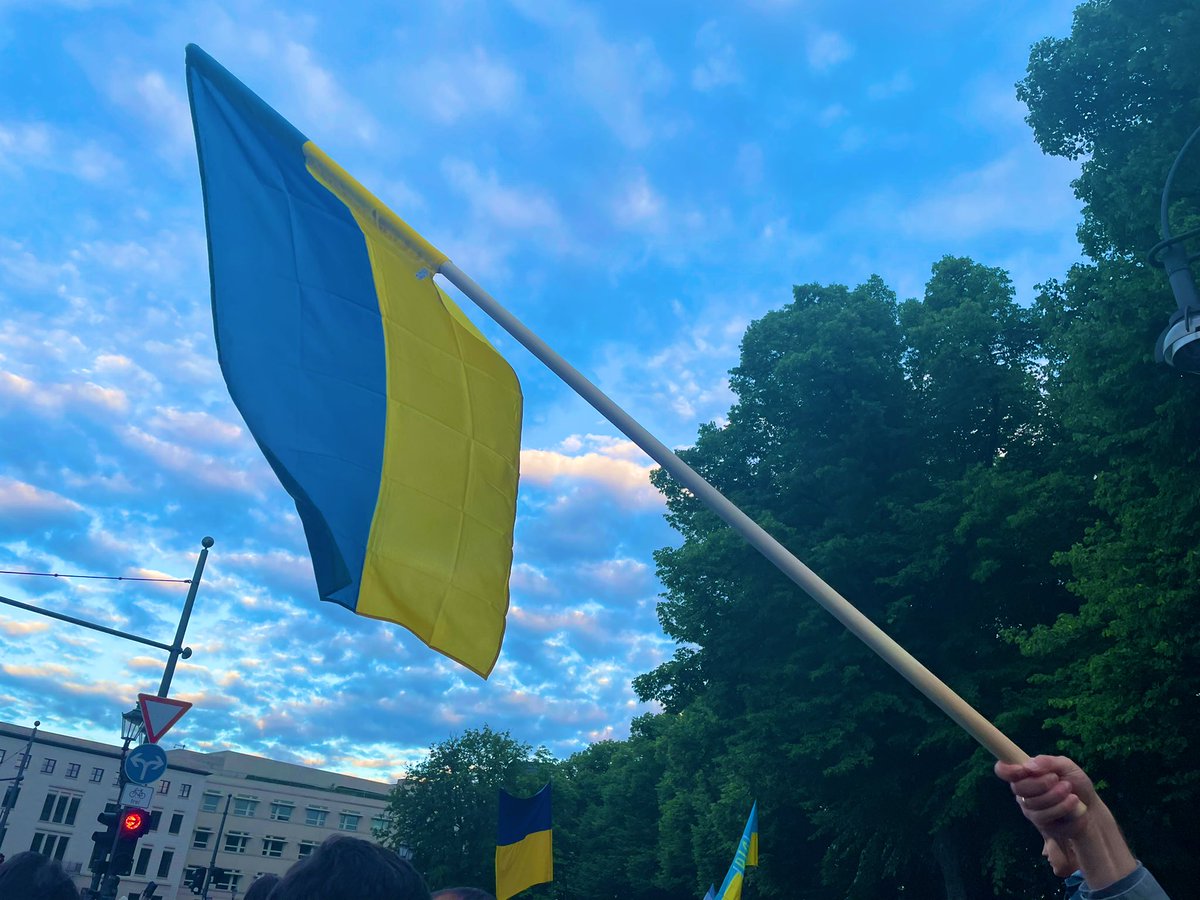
{"x":67,"y":784}
{"x":277,"y":811}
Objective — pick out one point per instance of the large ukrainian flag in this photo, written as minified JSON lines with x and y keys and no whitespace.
{"x":388,"y":417}
{"x":747,"y":855}
{"x":524,"y":845}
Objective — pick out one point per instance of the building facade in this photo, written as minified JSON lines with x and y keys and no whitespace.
{"x":238,"y":814}
{"x":259,"y":815}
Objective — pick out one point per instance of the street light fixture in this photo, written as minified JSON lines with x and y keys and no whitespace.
{"x":1179,"y":343}
{"x":132,"y":725}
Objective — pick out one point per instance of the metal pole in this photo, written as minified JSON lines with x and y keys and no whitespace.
{"x":954,"y":706}
{"x":16,"y":785}
{"x":86,"y":624}
{"x":217,"y":843}
{"x":177,"y":649}
{"x":110,"y":880}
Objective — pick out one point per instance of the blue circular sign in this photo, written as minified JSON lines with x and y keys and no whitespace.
{"x":145,"y":764}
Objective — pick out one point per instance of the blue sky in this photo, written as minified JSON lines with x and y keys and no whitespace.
{"x":636,"y":182}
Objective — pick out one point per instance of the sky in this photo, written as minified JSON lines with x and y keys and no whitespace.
{"x":637,"y":182}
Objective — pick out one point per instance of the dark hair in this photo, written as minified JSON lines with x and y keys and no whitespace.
{"x":31,"y":876}
{"x":261,"y":888}
{"x":349,"y":868}
{"x":462,"y":893}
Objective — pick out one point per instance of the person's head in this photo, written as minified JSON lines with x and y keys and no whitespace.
{"x":349,"y":868}
{"x":1060,"y":856}
{"x":462,"y":893}
{"x":261,"y":888}
{"x":36,"y":877}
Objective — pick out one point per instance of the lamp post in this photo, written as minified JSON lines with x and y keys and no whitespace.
{"x":11,"y":791}
{"x":133,"y":726}
{"x":1179,"y":343}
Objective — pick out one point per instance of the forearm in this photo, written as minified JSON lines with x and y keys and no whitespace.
{"x":1100,"y":849}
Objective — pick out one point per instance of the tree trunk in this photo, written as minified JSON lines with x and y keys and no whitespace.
{"x":945,"y":854}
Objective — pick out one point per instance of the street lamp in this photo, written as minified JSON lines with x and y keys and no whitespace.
{"x":132,"y":725}
{"x":1179,"y":343}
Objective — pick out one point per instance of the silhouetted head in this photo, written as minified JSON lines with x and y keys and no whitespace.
{"x":31,"y":876}
{"x":349,"y":868}
{"x":261,"y":888}
{"x":462,"y":893}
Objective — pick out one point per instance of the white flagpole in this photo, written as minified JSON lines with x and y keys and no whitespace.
{"x":863,"y":628}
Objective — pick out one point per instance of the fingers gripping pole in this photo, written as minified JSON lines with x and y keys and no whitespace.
{"x":863,"y":628}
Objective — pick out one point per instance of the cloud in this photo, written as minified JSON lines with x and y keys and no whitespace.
{"x":1021,"y":191}
{"x":40,"y":146}
{"x":826,"y":49}
{"x":629,"y":480}
{"x":525,"y":209}
{"x":196,"y":427}
{"x":900,"y":83}
{"x":197,"y":467}
{"x":465,"y":84}
{"x":639,"y":205}
{"x":719,"y":67}
{"x":616,"y":79}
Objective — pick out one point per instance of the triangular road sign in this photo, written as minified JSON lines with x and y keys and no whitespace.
{"x":160,"y":713}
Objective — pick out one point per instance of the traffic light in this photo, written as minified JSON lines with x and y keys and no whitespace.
{"x":102,"y":841}
{"x":196,"y":879}
{"x":133,"y":823}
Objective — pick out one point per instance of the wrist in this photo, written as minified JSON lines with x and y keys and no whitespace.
{"x":1100,"y":848}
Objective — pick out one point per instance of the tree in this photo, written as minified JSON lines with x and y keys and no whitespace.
{"x":444,"y":809}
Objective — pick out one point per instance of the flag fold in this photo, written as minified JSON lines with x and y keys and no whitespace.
{"x":747,"y":855}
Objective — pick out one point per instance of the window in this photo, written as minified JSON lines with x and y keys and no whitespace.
{"x":164,"y":786}
{"x":164,"y":864}
{"x":176,"y":823}
{"x":97,"y":775}
{"x":201,"y":838}
{"x":227,"y":882}
{"x":59,"y":808}
{"x":48,"y":765}
{"x":211,"y":801}
{"x":348,"y":821}
{"x":155,"y":819}
{"x":273,"y":846}
{"x":185,"y":790}
{"x":73,"y":770}
{"x":305,"y":848}
{"x":378,"y":824}
{"x":116,"y":779}
{"x":236,"y":841}
{"x":18,"y":760}
{"x":143,"y":861}
{"x":51,"y":845}
{"x":281,"y":811}
{"x":315,"y":816}
{"x":244,"y":806}
{"x":2,"y":752}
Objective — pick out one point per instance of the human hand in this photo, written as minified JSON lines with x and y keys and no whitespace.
{"x":1054,"y":794}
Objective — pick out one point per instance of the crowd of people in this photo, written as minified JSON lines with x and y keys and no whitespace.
{"x":1081,"y":841}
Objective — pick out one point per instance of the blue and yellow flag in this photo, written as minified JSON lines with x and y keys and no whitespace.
{"x":388,"y":417}
{"x":747,"y":855}
{"x":524,"y":849}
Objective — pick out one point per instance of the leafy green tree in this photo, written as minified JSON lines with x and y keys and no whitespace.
{"x":1120,"y":94}
{"x":444,"y":809}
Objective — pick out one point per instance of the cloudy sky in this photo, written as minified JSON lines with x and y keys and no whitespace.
{"x":636,"y":181}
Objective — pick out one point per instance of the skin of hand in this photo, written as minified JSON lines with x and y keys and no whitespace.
{"x":1049,"y":790}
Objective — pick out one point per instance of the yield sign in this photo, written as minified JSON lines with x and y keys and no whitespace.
{"x":160,"y":713}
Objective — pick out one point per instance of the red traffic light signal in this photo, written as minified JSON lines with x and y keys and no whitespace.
{"x":134,"y":823}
